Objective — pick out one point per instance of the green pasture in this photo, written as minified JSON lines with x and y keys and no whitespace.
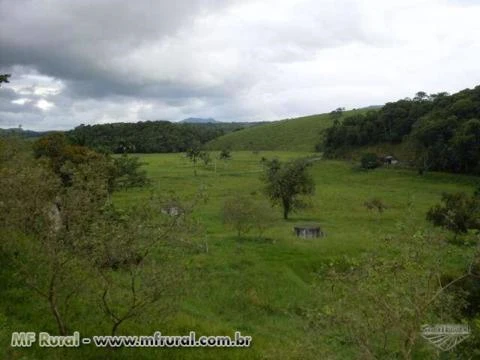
{"x":262,"y":287}
{"x":259,"y":286}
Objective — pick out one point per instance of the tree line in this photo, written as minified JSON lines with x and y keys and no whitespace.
{"x":147,"y":136}
{"x":443,"y":130}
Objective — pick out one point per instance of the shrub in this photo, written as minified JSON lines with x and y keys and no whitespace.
{"x":243,"y":214}
{"x":128,"y":172}
{"x":369,"y":161}
{"x":375,"y":204}
{"x":205,"y":156}
{"x":225,"y":154}
{"x":458,"y":213}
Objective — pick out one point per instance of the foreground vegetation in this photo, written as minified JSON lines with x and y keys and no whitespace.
{"x":336,"y":297}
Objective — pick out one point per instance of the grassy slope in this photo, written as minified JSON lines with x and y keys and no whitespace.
{"x":299,"y":134}
{"x":294,"y":134}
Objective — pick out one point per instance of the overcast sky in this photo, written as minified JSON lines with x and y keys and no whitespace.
{"x":99,"y":61}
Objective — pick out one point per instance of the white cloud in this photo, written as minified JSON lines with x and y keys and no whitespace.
{"x":44,"y":104}
{"x":21,"y":101}
{"x":245,"y":60}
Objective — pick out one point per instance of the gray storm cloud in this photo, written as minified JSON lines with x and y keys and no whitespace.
{"x":102,"y":61}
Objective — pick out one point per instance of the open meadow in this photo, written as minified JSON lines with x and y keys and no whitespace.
{"x":262,"y":286}
{"x":281,"y":290}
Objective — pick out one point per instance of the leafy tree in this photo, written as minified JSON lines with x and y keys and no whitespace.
{"x":128,"y":172}
{"x":205,"y":156}
{"x":466,"y":146}
{"x":421,"y":96}
{"x":464,"y":107}
{"x":63,"y":156}
{"x":458,"y":213}
{"x":286,"y":183}
{"x":51,"y":146}
{"x":121,"y":172}
{"x":194,"y":153}
{"x":337,"y":113}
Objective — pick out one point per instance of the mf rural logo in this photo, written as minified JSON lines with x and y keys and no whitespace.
{"x":446,"y":336}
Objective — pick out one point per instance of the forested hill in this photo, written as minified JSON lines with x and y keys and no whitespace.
{"x":148,"y":136}
{"x":442,"y":130}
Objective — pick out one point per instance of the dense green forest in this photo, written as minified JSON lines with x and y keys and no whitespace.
{"x":148,"y":136}
{"x":443,"y":130}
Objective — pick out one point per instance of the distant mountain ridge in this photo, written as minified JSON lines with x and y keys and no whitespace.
{"x":22,"y":133}
{"x":193,"y":120}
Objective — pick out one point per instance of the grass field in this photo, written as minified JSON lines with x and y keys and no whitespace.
{"x":260,"y":286}
{"x":256,"y":286}
{"x":299,"y":134}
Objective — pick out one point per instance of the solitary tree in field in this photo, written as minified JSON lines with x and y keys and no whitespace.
{"x":194,"y":153}
{"x":287,"y":183}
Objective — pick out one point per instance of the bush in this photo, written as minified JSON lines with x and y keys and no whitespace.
{"x":243,"y":214}
{"x":128,"y":172}
{"x":375,"y":204}
{"x":369,"y":161}
{"x":458,"y":213}
{"x":225,"y":154}
{"x":205,"y":156}
{"x":477,"y":192}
